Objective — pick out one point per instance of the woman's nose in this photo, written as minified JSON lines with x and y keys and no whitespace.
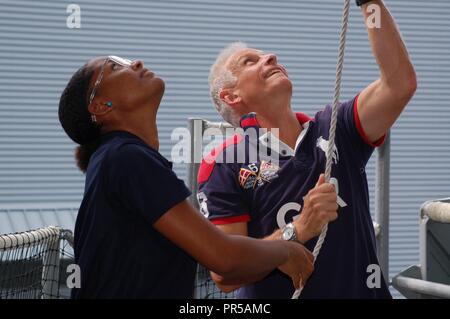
{"x":137,"y":64}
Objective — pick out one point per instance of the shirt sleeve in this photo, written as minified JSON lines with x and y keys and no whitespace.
{"x":350,"y":130}
{"x":220,"y":196}
{"x":144,"y":182}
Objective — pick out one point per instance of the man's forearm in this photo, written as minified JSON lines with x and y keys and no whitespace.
{"x":388,"y":47}
{"x":276,"y":235}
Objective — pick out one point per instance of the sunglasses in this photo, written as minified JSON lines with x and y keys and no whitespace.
{"x":116,"y":59}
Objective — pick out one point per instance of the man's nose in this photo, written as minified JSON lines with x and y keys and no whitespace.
{"x":270,"y":58}
{"x":137,"y":64}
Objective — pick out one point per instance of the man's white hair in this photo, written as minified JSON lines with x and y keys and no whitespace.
{"x":219,"y":77}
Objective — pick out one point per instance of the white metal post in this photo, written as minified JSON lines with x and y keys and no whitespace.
{"x":50,"y":270}
{"x":195,"y":127}
{"x":382,"y":204}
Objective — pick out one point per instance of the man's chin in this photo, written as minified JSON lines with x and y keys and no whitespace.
{"x":283,"y":85}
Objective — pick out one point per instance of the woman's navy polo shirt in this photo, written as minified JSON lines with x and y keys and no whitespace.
{"x":129,"y":186}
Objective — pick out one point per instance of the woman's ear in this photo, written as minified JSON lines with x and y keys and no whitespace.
{"x":229,"y":97}
{"x":99,"y":108}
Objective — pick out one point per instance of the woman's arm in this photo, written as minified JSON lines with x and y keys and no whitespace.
{"x":233,"y":258}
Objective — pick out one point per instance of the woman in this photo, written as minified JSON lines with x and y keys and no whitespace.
{"x":136,"y":235}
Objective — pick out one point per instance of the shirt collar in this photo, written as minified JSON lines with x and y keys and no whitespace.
{"x":249,"y":121}
{"x":106,"y":137}
{"x":112,"y":134}
{"x":268,"y":139}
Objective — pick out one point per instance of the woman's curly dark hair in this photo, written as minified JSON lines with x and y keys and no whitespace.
{"x":75,"y":118}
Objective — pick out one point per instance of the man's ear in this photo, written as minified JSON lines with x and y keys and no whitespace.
{"x":229,"y":97}
{"x":98,"y":108}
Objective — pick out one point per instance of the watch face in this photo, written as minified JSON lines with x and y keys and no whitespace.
{"x":287,"y":233}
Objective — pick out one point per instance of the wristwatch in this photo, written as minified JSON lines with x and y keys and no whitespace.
{"x":288,"y":232}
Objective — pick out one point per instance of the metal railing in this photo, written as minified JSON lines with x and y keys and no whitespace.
{"x":32,"y":262}
{"x":430,"y":279}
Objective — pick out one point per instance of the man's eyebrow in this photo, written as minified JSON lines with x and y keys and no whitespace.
{"x":247,"y":54}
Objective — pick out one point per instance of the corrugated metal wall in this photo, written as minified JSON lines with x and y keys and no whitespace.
{"x":179,"y":40}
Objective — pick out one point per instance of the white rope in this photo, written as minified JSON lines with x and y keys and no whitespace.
{"x":332,"y":133}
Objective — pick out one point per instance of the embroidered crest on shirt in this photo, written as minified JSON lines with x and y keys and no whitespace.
{"x":323,"y":145}
{"x":255,"y":175}
{"x":247,"y":178}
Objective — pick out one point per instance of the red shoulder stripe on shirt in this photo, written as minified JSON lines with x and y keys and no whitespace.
{"x":360,"y":129}
{"x":231,"y":220}
{"x":209,"y":161}
{"x":303,"y":118}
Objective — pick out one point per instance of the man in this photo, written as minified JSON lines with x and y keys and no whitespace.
{"x":260,"y":199}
